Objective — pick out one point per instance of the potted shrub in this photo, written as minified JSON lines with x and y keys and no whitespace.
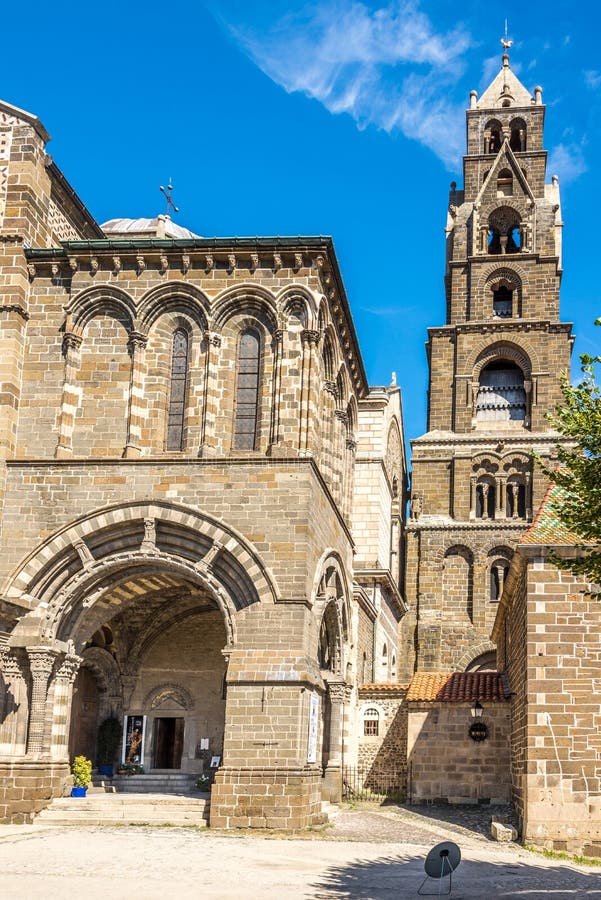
{"x":82,"y":775}
{"x":109,"y":738}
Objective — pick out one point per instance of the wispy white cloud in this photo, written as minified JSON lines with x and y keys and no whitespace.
{"x":387,"y":67}
{"x":567,"y":161}
{"x":592,"y":79}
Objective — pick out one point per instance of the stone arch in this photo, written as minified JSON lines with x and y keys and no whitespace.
{"x":105,"y":668}
{"x":98,"y":300}
{"x":510,"y":270}
{"x":473,"y":653}
{"x":294,"y":294}
{"x":80,"y":562}
{"x":173,"y":298}
{"x":329,"y":354}
{"x":169,"y":691}
{"x":245,"y":298}
{"x":516,"y":351}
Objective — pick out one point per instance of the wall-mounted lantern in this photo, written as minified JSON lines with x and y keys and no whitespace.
{"x":477,"y":710}
{"x":478,"y":730}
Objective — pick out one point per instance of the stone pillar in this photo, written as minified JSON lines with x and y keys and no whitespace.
{"x":309,"y":342}
{"x":311,"y":399}
{"x":61,"y":708}
{"x":210,"y":400}
{"x":275,"y":437}
{"x":71,"y":396}
{"x":339,"y":454}
{"x":332,"y":782}
{"x":41,"y":662}
{"x":136,"y":406}
{"x":501,"y":486}
{"x":13,"y":727}
{"x":485,"y":487}
{"x":327,"y":430}
{"x":473,"y":489}
{"x":349,"y":471}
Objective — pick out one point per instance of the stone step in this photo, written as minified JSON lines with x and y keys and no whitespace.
{"x":123,"y":809}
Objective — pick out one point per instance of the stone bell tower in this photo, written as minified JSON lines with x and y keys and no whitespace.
{"x":495,"y":371}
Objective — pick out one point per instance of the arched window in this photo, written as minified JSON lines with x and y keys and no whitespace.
{"x":493,"y":136}
{"x":516,"y":500}
{"x":371,"y":722}
{"x":505,"y":183}
{"x":498,"y":574}
{"x":177,"y":394}
{"x":485,"y":499}
{"x":247,"y":391}
{"x":502,"y":302}
{"x":517,"y":139}
{"x":501,"y":393}
{"x":504,"y":231}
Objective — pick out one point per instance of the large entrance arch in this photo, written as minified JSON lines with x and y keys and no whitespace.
{"x":173,"y":617}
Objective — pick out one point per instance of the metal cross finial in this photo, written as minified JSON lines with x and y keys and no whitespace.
{"x":506,"y":44}
{"x":170,"y":204}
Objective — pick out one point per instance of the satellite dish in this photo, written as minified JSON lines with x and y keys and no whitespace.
{"x":441,"y":862}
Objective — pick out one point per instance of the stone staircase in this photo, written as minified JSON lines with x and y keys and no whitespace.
{"x":156,"y":799}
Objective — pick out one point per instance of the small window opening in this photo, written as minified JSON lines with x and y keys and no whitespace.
{"x":498,"y":576}
{"x":517,"y":139}
{"x":505,"y":183}
{"x":502,"y":302}
{"x":371,"y":722}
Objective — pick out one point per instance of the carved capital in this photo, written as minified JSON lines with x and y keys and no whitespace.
{"x":71,"y":342}
{"x":212,"y":338}
{"x":337,"y":691}
{"x":310,"y":336}
{"x":15,"y":307}
{"x":68,"y":669}
{"x":330,"y":387}
{"x":341,"y":416}
{"x":351,"y":444}
{"x":41,"y":662}
{"x":11,"y":665}
{"x":136,"y":341}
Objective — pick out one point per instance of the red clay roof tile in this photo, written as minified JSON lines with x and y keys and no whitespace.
{"x":488,"y":687}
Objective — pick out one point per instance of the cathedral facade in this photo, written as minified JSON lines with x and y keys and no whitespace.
{"x":202,"y":499}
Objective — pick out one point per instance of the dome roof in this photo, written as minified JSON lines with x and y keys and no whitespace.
{"x":159,"y":227}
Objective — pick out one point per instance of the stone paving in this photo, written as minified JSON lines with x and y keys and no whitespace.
{"x":367,"y":854}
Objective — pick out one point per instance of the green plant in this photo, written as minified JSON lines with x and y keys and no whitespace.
{"x":109,"y":738}
{"x":82,"y":771}
{"x":204,"y":781}
{"x":130,"y":769}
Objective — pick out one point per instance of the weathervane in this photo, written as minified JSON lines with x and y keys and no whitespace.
{"x":506,"y":44}
{"x":170,"y":204}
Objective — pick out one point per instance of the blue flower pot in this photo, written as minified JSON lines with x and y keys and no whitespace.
{"x":78,"y":791}
{"x":107,"y":771}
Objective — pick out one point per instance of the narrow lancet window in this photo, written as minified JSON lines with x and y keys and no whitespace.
{"x":247,"y":391}
{"x":177,"y":393}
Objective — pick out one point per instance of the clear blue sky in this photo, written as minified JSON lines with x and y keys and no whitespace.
{"x":339,"y":117}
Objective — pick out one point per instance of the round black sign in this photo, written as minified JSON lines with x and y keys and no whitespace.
{"x":478,"y":731}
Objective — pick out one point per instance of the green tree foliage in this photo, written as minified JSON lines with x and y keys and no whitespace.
{"x":579,"y":474}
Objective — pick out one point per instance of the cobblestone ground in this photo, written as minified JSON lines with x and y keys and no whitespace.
{"x":369,"y":853}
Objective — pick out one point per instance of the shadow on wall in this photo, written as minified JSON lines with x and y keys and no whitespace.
{"x":390,"y":760}
{"x":401,"y":876}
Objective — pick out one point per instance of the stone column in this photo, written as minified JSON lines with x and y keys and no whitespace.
{"x":339,"y":443}
{"x":275,"y":436}
{"x":71,"y":396}
{"x":473,"y":488}
{"x":311,"y":399}
{"x":528,"y":497}
{"x":332,"y":783}
{"x":61,"y":709}
{"x":210,"y":403}
{"x":13,"y":728}
{"x":136,"y":402}
{"x":41,"y":662}
{"x":501,"y":486}
{"x":327,"y":430}
{"x":349,"y":471}
{"x":485,"y":487}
